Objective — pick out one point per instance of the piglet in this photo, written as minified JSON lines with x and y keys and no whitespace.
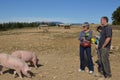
{"x":27,"y":56}
{"x":14,"y":63}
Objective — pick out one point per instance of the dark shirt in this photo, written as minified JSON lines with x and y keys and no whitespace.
{"x":106,"y":32}
{"x":82,"y":34}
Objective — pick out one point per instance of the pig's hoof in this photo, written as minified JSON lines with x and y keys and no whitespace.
{"x":29,"y":76}
{"x":14,"y":76}
{"x":21,"y":78}
{"x":36,"y":67}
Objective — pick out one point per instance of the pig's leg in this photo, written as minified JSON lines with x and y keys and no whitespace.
{"x":26,"y":73}
{"x":19,"y":73}
{"x":35,"y":63}
{"x":14,"y":75}
{"x":1,"y":69}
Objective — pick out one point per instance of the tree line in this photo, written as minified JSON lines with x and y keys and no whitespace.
{"x":19,"y":25}
{"x":15,"y":25}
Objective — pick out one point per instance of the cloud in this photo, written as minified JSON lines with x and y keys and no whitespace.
{"x":50,"y":19}
{"x":33,"y":19}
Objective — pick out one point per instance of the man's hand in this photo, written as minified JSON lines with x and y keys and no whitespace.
{"x":96,"y":36}
{"x":106,"y":42}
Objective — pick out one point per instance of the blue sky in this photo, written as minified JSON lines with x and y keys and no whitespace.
{"x":68,"y":11}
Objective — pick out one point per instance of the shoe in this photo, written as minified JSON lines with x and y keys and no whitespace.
{"x":105,"y":78}
{"x":108,"y":78}
{"x":80,"y":70}
{"x":90,"y":72}
{"x":98,"y":75}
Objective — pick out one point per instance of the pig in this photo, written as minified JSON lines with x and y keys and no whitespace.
{"x":14,"y":63}
{"x":27,"y":56}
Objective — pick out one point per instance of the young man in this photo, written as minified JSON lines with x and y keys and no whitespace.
{"x":104,"y":46}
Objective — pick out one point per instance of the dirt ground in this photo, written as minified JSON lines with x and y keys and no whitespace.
{"x":58,"y":53}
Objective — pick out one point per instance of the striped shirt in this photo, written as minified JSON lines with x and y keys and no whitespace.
{"x":83,"y":34}
{"x":106,"y":32}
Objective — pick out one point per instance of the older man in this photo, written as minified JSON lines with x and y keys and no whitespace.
{"x":104,"y":46}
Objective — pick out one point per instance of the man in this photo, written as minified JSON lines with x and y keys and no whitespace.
{"x":104,"y":47}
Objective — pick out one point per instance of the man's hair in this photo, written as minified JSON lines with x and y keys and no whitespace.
{"x":99,"y":28}
{"x":106,"y":18}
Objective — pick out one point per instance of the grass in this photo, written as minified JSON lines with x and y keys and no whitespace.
{"x":58,"y":51}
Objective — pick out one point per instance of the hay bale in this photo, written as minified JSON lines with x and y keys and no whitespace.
{"x":44,"y":28}
{"x":66,"y":26}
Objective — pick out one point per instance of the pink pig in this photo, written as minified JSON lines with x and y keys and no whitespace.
{"x":27,"y":56}
{"x":15,"y":63}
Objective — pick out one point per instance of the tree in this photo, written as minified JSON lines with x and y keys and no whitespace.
{"x":116,"y":16}
{"x":52,"y":24}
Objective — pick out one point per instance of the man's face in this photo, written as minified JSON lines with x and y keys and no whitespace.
{"x":103,"y":22}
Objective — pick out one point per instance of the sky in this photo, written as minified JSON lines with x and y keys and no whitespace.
{"x":67,"y":11}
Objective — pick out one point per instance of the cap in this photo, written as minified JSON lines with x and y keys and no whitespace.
{"x":85,"y":24}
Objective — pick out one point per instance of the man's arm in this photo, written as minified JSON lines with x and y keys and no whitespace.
{"x":106,"y":41}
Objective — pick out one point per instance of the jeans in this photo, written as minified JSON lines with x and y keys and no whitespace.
{"x":87,"y":51}
{"x":104,"y":57}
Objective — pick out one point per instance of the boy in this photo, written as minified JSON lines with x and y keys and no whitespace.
{"x":99,"y":29}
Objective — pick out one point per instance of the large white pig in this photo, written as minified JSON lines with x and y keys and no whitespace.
{"x":15,"y":63}
{"x":27,"y":56}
